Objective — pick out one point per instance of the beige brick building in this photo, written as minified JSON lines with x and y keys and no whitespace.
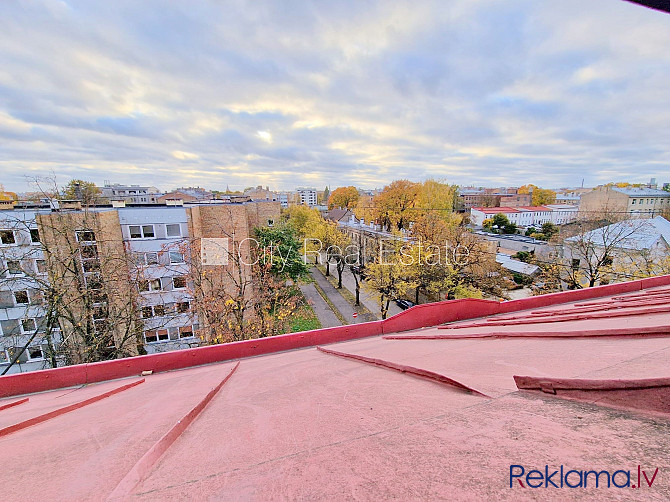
{"x":637,"y":202}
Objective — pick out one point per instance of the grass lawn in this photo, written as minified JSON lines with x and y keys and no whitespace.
{"x":304,"y":320}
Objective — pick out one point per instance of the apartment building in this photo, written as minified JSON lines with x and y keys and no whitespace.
{"x":127,"y":275}
{"x":641,"y":202}
{"x":492,"y":197}
{"x":23,"y":275}
{"x":308,"y":196}
{"x":526,"y":216}
{"x":132,"y":194}
{"x":260,"y":193}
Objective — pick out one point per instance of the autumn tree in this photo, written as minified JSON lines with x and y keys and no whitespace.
{"x":389,"y":277}
{"x":394,"y":206}
{"x":539,"y":196}
{"x":437,"y":197}
{"x":344,"y":197}
{"x":5,"y":195}
{"x":251,"y":293}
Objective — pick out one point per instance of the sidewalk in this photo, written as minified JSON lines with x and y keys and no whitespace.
{"x":341,"y":303}
{"x":322,"y":310}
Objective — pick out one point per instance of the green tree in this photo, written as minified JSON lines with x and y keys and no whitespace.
{"x":504,"y":226}
{"x":280,"y":250}
{"x":549,"y":229}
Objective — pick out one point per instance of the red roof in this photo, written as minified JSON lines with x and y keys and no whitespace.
{"x":494,"y":210}
{"x":425,"y":405}
{"x":534,"y":208}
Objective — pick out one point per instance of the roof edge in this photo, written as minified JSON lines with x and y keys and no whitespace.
{"x":419,"y":316}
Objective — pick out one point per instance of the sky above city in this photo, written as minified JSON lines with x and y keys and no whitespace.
{"x":316,"y":93}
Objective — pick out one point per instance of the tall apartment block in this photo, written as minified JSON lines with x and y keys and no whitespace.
{"x":123,"y":275}
{"x":308,"y":196}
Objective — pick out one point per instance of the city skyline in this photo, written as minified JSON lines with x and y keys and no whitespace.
{"x":298,"y":94}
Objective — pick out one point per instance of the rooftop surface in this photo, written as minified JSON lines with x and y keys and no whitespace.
{"x":433,"y":413}
{"x":629,"y":234}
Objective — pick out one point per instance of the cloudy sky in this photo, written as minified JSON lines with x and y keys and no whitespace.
{"x":290,"y":93}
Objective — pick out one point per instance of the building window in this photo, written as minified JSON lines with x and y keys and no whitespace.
{"x":173,"y":230}
{"x":3,"y":356}
{"x":89,"y":251}
{"x":575,"y":263}
{"x":179,"y":282}
{"x":154,"y":336}
{"x":183,"y":307}
{"x":141,"y":231}
{"x":186,"y":332}
{"x":85,"y":235}
{"x":151,"y":258}
{"x":176,"y":257}
{"x":41,"y":266}
{"x":271,"y":223}
{"x":21,"y":297}
{"x":28,"y":326}
{"x":99,"y":312}
{"x":153,"y":311}
{"x":35,"y":353}
{"x":14,"y":267}
{"x":150,"y":285}
{"x":7,"y":237}
{"x":91,"y":265}
{"x":34,"y":235}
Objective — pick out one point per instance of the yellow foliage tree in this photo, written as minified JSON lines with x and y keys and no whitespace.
{"x":394,"y":207}
{"x":344,"y":197}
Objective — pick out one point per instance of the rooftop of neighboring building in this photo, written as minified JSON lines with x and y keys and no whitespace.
{"x":494,"y":210}
{"x":434,"y":403}
{"x":641,"y":192}
{"x":637,"y":234}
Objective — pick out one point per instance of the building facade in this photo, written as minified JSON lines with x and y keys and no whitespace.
{"x":308,"y":196}
{"x":132,"y":194}
{"x":126,"y":277}
{"x":638,"y":202}
{"x":526,"y":216}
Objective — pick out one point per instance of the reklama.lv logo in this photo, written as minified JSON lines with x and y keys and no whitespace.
{"x":573,"y":478}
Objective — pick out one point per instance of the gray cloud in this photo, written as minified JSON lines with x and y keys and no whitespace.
{"x":313,"y":93}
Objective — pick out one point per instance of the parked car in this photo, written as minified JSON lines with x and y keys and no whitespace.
{"x":404,"y":304}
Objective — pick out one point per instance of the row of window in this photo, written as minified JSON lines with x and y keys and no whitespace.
{"x":149,"y":285}
{"x":34,"y":353}
{"x":172,"y":230}
{"x":8,"y":237}
{"x":650,"y":201}
{"x":25,"y":297}
{"x":152,"y":258}
{"x":162,"y":335}
{"x":150,"y":311}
